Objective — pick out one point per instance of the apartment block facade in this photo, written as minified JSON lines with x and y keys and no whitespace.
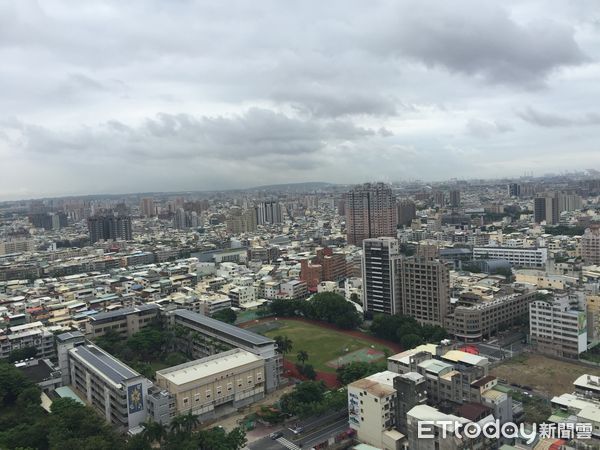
{"x":371,"y":212}
{"x":531,"y":258}
{"x":379,"y":273}
{"x":558,"y":327}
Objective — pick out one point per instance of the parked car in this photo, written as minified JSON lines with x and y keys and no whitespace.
{"x":276,"y":435}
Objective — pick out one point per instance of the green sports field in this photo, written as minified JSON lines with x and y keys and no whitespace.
{"x":326,"y":348}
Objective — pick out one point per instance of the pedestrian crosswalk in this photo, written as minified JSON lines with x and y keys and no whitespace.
{"x":283,"y":441}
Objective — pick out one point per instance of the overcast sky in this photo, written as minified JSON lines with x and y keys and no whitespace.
{"x":133,"y":96}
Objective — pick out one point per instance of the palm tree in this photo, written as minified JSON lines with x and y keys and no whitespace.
{"x":177,"y":424}
{"x":302,"y":356}
{"x":284,"y":344}
{"x":190,"y":421}
{"x":154,"y":431}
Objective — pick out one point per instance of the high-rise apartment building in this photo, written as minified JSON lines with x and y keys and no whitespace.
{"x":269,"y":212}
{"x":590,"y":246}
{"x":241,"y":221}
{"x":424,"y":287}
{"x":185,"y":219}
{"x":569,"y":202}
{"x":110,"y":226}
{"x":455,"y":198}
{"x":371,"y":212}
{"x":147,"y":207}
{"x":514,"y":190}
{"x":439,"y":198}
{"x":380,"y":290}
{"x":407,"y":211}
{"x":545,"y":208}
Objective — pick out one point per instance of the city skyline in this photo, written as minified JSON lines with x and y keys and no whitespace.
{"x":110,"y":98}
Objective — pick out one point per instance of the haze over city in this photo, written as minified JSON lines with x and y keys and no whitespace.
{"x":140,"y":96}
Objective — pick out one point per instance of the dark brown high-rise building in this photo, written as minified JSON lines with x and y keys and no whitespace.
{"x":407,"y":211}
{"x":370,"y":212}
{"x":109,"y":226}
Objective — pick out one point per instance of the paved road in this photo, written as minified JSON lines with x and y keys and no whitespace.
{"x":315,"y":430}
{"x":307,"y":440}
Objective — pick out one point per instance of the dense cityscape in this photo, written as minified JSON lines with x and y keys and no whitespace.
{"x":303,"y":315}
{"x":268,"y":225}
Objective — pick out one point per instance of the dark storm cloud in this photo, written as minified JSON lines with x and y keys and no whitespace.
{"x":551,"y":120}
{"x":258,"y":133}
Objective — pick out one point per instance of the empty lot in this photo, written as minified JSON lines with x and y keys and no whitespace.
{"x":541,"y":373}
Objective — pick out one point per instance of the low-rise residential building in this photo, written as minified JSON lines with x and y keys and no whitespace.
{"x":372,"y":410}
{"x":33,"y":334}
{"x":124,"y":321}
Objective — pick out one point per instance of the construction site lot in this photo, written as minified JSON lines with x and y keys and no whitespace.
{"x":542,"y":373}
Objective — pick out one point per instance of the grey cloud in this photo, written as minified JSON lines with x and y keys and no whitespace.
{"x":258,"y":133}
{"x":551,"y":120}
{"x":481,"y":39}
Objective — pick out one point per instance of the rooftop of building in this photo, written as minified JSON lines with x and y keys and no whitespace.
{"x":207,"y":367}
{"x":472,"y":411}
{"x":122,"y":312}
{"x":236,"y":332}
{"x":483,"y":381}
{"x":426,"y":412}
{"x":373,"y":387}
{"x":435,"y":366}
{"x":588,"y":382}
{"x":465,"y":358}
{"x":104,"y":363}
{"x":404,"y":356}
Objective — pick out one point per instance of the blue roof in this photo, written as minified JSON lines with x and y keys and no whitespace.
{"x":106,"y":364}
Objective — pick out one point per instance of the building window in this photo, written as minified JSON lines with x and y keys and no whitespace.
{"x":197,"y":398}
{"x":218,"y":390}
{"x":229,"y":386}
{"x":208,"y":393}
{"x":185,"y":401}
{"x":250,"y":379}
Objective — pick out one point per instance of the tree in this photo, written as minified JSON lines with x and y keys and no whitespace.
{"x":190,"y":421}
{"x":356,"y":370}
{"x":177,"y":424}
{"x":218,"y":439}
{"x":22,"y":353}
{"x":154,"y":432}
{"x":226,"y":315}
{"x":111,"y":341}
{"x":302,"y":356}
{"x":74,"y":426}
{"x":334,"y":308}
{"x":309,"y":371}
{"x":12,"y":383}
{"x":284,"y":344}
{"x":409,"y":341}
